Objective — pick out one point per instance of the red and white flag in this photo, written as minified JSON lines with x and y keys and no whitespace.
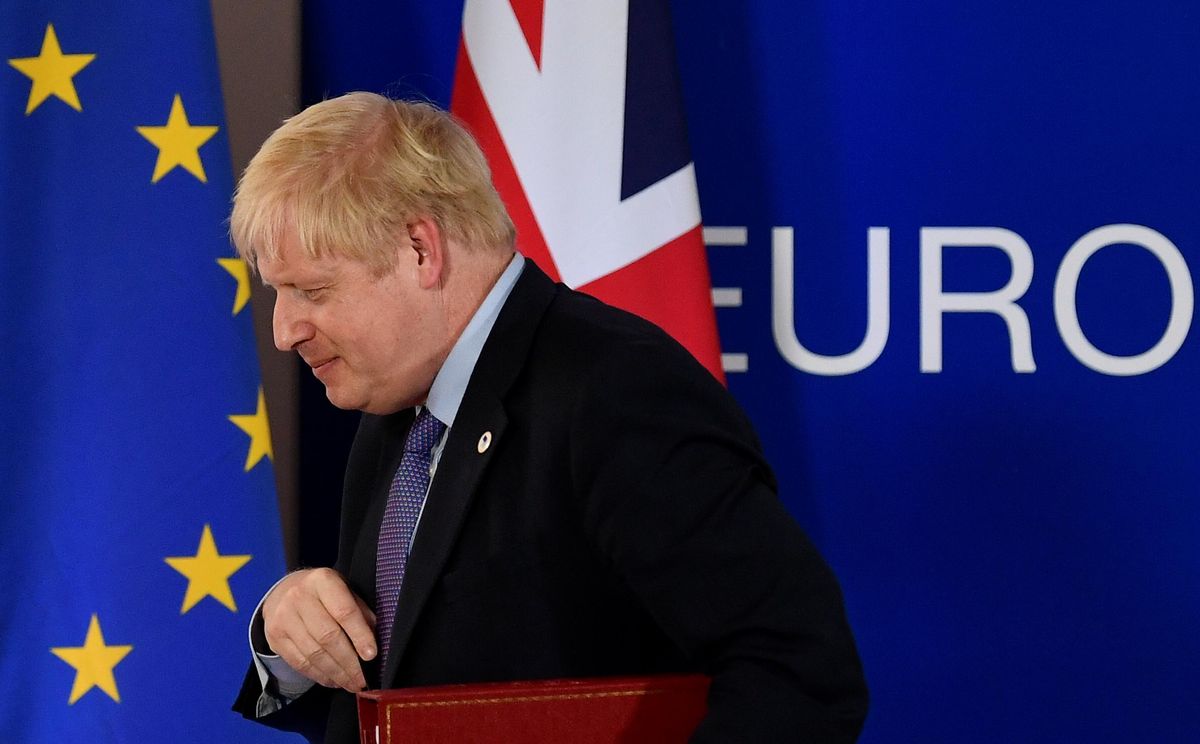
{"x":578,"y":109}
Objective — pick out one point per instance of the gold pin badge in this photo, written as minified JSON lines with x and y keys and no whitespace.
{"x":485,"y":441}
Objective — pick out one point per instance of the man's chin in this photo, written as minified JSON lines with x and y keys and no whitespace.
{"x":358,"y":400}
{"x":341,"y":399}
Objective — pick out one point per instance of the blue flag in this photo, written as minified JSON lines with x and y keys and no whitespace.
{"x":139,"y":525}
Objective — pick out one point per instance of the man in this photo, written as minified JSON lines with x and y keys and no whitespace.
{"x":541,"y":486}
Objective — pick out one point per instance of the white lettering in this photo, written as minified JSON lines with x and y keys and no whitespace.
{"x":783,"y":325}
{"x":1182,"y":299}
{"x":735,"y":363}
{"x":1002,"y":302}
{"x":728,"y":297}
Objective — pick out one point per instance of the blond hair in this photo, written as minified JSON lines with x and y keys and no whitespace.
{"x":349,"y":174}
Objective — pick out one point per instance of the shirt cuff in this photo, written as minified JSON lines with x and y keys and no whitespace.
{"x":281,"y":684}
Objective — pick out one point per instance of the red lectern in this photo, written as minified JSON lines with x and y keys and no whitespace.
{"x":660,"y":709}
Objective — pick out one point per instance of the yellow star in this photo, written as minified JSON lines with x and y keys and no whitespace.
{"x":51,"y":72}
{"x":237,"y":268}
{"x":178,"y":143}
{"x":256,"y":426}
{"x":93,"y":662}
{"x":208,"y":573}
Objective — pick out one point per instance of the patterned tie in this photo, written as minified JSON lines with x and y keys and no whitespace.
{"x":405,"y":498}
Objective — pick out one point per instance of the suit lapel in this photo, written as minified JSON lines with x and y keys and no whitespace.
{"x":462,"y":464}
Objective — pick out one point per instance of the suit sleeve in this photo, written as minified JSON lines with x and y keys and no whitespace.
{"x":678,"y":497}
{"x":306,"y":715}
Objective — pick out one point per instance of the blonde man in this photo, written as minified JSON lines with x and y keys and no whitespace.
{"x":541,"y":486}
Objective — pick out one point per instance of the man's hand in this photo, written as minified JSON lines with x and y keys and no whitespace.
{"x":320,"y":628}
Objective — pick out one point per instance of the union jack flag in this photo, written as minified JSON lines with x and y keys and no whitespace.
{"x":578,"y":108}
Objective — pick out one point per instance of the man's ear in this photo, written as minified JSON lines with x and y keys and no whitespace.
{"x":428,"y":251}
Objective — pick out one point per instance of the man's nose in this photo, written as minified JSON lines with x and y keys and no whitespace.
{"x":288,"y":325}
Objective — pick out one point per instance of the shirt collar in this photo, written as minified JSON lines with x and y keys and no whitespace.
{"x":450,"y":384}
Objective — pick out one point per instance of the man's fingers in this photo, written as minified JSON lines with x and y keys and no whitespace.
{"x":296,"y":659}
{"x":293,"y":639}
{"x":329,"y":650}
{"x":346,"y":609}
{"x":320,"y":628}
{"x":366,"y":612}
{"x":303,"y":653}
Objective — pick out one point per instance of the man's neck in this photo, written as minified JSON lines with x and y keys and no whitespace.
{"x":450,"y":382}
{"x":478,"y":276}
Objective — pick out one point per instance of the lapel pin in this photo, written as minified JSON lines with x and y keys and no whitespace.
{"x":485,"y":441}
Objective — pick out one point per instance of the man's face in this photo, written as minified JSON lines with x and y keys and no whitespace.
{"x":370,"y":339}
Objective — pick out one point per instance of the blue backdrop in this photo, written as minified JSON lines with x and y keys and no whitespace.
{"x":1013,"y":522}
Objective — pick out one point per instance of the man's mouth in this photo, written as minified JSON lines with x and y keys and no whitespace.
{"x":322,"y":365}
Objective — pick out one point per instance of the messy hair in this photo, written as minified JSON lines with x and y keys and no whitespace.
{"x":350,"y":173}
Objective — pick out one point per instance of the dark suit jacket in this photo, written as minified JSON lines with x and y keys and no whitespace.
{"x":622,"y":521}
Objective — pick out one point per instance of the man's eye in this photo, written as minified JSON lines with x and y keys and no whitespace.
{"x":313,"y":294}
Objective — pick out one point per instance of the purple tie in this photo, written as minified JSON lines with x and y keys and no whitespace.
{"x":405,"y":498}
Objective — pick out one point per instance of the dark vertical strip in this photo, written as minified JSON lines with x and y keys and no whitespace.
{"x":655,"y":143}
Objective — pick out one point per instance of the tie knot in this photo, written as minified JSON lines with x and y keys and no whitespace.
{"x":425,"y":432}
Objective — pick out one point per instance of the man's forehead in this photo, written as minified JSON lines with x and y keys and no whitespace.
{"x":284,"y":256}
{"x":291,"y":267}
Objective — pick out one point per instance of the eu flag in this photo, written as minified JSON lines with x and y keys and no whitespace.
{"x":138,"y":527}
